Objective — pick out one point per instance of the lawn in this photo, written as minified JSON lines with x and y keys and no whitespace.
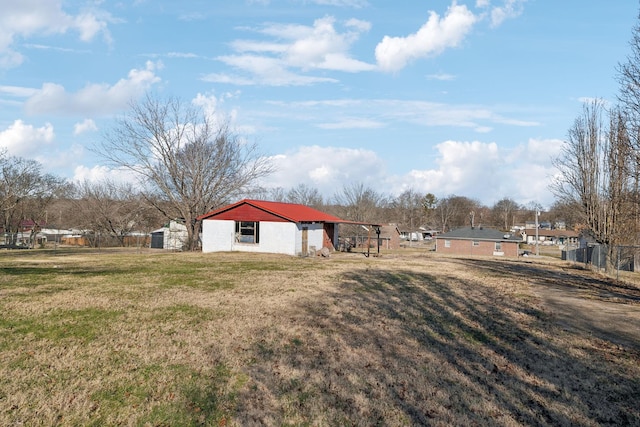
{"x":408,"y":338}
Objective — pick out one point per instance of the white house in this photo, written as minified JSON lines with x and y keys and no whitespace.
{"x":271,"y":227}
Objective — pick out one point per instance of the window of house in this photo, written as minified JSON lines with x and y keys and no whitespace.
{"x":498,"y":246}
{"x":247,"y":232}
{"x":476,"y":243}
{"x":447,"y":243}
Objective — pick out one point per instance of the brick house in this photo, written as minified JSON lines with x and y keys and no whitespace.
{"x":478,"y":241}
{"x":389,"y":236}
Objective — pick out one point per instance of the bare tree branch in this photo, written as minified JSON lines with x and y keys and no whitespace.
{"x":183,"y":158}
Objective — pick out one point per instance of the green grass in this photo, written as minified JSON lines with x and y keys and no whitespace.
{"x":58,"y":325}
{"x":120,"y":345}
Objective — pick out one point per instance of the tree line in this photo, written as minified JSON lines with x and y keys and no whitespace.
{"x":107,"y":212}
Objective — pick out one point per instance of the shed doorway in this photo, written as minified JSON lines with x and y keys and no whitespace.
{"x":305,"y":241}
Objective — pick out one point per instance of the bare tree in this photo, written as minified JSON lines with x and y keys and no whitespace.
{"x":568,"y":212}
{"x":594,"y":166}
{"x":503,"y":213}
{"x":112,"y":210}
{"x":629,"y":100}
{"x":305,"y":195}
{"x":359,"y":203}
{"x":409,"y":209}
{"x":189,"y":164}
{"x":629,"y":80}
{"x":25,"y":193}
{"x":456,"y":211}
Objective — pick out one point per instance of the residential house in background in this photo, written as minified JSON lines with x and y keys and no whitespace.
{"x":559,"y":237}
{"x":480,"y":241}
{"x":389,"y":236}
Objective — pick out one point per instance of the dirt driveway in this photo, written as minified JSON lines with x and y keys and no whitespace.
{"x":579,"y":299}
{"x":608,"y":311}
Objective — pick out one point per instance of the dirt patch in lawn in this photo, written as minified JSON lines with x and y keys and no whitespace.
{"x":582,"y":300}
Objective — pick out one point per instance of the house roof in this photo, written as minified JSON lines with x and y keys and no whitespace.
{"x":551,"y":233}
{"x":287,"y":211}
{"x":478,"y":233}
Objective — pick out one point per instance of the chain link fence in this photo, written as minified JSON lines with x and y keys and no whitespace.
{"x":595,"y":256}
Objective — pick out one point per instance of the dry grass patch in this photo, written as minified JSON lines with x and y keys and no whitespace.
{"x":144,"y":338}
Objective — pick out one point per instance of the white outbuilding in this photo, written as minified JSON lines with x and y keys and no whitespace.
{"x":269,"y":227}
{"x":173,"y":236}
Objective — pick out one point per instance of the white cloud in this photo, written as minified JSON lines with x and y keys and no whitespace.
{"x":357,"y":4}
{"x":103,"y":173}
{"x":442,"y":77}
{"x":212,"y":107}
{"x":186,"y":55}
{"x":43,"y":17}
{"x":352,"y":123}
{"x":325,"y":168}
{"x":436,"y":35}
{"x":10,"y":58}
{"x":475,"y":169}
{"x":17,"y":91}
{"x":510,"y":9}
{"x":263,"y":71}
{"x":378,"y":113}
{"x":297,"y":49}
{"x":344,"y":3}
{"x":89,"y":25}
{"x":94,"y":98}
{"x":87,"y":125}
{"x":23,"y":140}
{"x":486,"y":172}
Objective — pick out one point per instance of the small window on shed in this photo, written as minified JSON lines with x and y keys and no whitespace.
{"x":498,"y":246}
{"x":476,"y":243}
{"x":247,"y":232}
{"x":447,"y":243}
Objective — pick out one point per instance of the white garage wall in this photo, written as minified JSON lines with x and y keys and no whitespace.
{"x":218,"y":236}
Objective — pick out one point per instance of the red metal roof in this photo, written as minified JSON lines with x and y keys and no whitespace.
{"x":287,"y":211}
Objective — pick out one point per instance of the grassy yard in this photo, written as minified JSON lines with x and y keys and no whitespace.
{"x":408,"y":338}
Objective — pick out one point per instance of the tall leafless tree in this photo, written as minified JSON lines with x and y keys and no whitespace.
{"x":503,"y":213}
{"x":188,"y":162}
{"x":457,"y":211}
{"x":629,"y":101}
{"x":594,"y":166}
{"x":359,"y":202}
{"x":408,"y":208}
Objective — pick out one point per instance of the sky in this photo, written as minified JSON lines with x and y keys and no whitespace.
{"x":470,"y":97}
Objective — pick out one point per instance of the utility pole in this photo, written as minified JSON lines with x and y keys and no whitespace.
{"x":537,"y":240}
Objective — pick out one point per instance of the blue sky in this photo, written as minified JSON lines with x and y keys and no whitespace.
{"x":471,"y":98}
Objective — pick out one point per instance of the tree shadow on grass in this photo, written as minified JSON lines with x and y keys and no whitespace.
{"x":408,"y":348}
{"x":580,"y":299}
